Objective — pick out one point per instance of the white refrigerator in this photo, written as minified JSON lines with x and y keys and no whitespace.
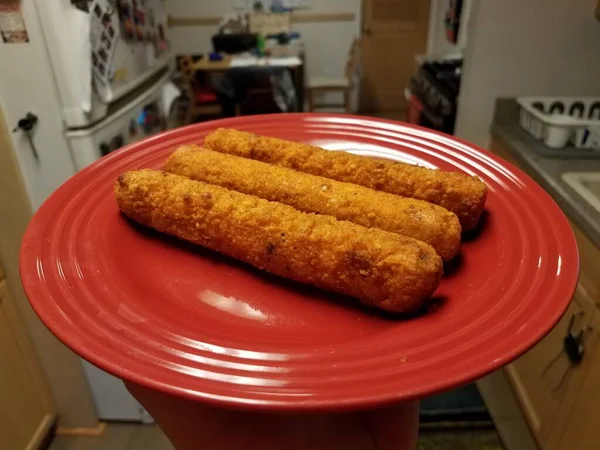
{"x":79,"y":79}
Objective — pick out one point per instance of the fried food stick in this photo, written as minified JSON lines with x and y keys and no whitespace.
{"x":382,"y":269}
{"x":461,"y":194}
{"x":309,"y":193}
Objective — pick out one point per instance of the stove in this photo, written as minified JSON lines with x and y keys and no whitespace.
{"x":434,"y":94}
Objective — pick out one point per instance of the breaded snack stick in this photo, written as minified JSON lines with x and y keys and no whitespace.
{"x":309,"y":193}
{"x":461,"y":194}
{"x":382,"y":269}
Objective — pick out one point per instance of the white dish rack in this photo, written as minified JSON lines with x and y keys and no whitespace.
{"x":562,"y":121}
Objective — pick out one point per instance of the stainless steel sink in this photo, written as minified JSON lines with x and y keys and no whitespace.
{"x":587,"y":185}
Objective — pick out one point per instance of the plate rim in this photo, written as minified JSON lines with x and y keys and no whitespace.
{"x":326,"y":405}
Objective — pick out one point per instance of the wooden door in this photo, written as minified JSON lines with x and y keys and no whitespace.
{"x":393,"y":32}
{"x":26,"y":409}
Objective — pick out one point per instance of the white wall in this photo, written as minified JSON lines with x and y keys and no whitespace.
{"x":533,"y":47}
{"x":327,"y":43}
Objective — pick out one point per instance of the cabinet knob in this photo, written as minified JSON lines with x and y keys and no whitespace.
{"x":572,"y":347}
{"x":25,"y":125}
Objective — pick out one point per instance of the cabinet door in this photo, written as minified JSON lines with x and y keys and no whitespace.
{"x":581,"y":405}
{"x":25,"y":416}
{"x":541,"y":377}
{"x":564,"y":417}
{"x":589,"y":265}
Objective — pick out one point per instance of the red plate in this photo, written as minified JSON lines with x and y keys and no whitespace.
{"x":190,"y":322}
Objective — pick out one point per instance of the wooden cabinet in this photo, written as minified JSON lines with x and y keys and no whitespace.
{"x":543,"y":378}
{"x":581,"y":430}
{"x":62,"y":368}
{"x":560,"y":402}
{"x":589,"y":265}
{"x":26,"y":409}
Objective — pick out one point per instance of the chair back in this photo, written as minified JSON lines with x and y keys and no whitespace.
{"x":184,"y":66}
{"x":188,"y":76}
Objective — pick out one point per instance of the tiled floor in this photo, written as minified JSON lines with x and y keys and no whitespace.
{"x":149,"y":437}
{"x":117,"y":437}
{"x":460,"y":440}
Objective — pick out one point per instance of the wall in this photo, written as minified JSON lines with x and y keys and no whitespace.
{"x":534,"y":47}
{"x":327,"y":43}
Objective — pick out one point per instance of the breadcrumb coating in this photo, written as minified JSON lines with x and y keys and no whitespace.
{"x":382,"y":269}
{"x":309,"y":193}
{"x":459,"y":193}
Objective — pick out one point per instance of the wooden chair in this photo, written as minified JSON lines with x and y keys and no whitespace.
{"x":346,"y":84}
{"x":199,"y":100}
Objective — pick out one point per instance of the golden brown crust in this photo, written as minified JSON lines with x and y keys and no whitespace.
{"x":309,"y":193}
{"x":463,"y":195}
{"x":383,"y":269}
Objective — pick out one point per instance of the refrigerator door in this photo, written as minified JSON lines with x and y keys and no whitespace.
{"x":145,"y":115}
{"x":141,"y":117}
{"x":132,"y":47}
{"x":27,"y":86}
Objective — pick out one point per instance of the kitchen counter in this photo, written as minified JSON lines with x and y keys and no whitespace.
{"x":545,"y":170}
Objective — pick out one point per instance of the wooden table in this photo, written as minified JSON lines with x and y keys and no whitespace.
{"x":206,"y":65}
{"x":225,"y":65}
